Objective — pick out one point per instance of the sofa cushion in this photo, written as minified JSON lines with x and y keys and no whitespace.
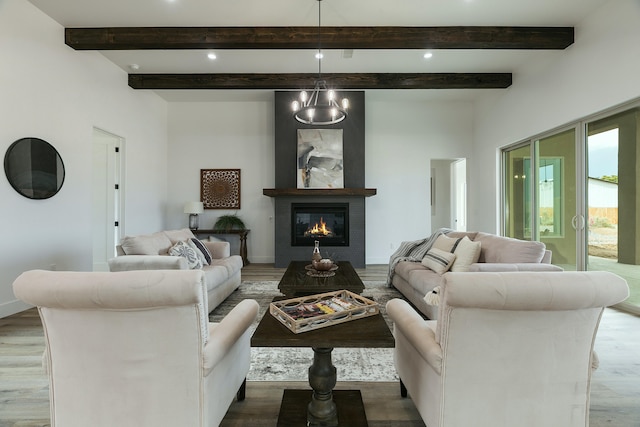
{"x":421,"y":278}
{"x":232,"y":264}
{"x":438,"y":260}
{"x":146,"y":244}
{"x":522,"y":266}
{"x":181,"y":235}
{"x":470,"y":234}
{"x":182,"y":249}
{"x":215,"y":275}
{"x":467,"y":253}
{"x":499,"y":249}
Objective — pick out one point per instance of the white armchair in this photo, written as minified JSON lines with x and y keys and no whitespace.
{"x":136,"y":348}
{"x":508,"y":349}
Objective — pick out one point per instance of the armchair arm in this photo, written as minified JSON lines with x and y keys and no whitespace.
{"x":218,"y":250}
{"x":147,"y":262}
{"x":223,"y":335}
{"x":523,"y":266}
{"x":415,"y":329}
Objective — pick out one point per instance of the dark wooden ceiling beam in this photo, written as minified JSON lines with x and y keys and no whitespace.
{"x":135,"y":38}
{"x":338,"y":81}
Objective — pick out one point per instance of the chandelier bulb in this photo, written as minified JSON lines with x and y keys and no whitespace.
{"x":304,"y":96}
{"x":310,"y":113}
{"x":295,"y":106}
{"x":331,"y":95}
{"x":345,"y":103}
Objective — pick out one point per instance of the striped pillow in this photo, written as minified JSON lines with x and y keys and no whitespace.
{"x":203,"y":250}
{"x":438,"y":260}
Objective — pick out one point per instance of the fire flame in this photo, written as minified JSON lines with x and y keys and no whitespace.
{"x":319,"y":230}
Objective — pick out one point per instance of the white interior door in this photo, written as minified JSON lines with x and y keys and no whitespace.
{"x":459,"y":197}
{"x":106,"y":204}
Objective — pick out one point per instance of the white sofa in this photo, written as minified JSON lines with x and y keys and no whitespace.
{"x":151,"y":252}
{"x":497,"y":254}
{"x":508,"y":349}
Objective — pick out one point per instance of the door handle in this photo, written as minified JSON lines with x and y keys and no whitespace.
{"x":578,"y":222}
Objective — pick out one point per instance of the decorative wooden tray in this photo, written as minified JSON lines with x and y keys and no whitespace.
{"x":321,"y":310}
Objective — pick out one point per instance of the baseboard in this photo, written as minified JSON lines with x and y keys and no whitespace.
{"x":13,"y":307}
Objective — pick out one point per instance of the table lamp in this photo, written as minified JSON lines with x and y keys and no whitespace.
{"x":193,"y":209}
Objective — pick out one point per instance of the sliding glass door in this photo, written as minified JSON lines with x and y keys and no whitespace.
{"x":614,"y":198}
{"x":578,"y":191}
{"x":558,"y":218}
{"x":540,"y":195}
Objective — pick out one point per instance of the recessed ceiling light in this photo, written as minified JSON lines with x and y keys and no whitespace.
{"x":319,"y":55}
{"x":427,"y":55}
{"x":211,"y":55}
{"x":134,"y":67}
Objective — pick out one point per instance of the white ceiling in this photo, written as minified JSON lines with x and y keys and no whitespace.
{"x":145,"y":13}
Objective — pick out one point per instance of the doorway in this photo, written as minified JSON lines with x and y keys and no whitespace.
{"x":106,"y":204}
{"x":449,"y":194}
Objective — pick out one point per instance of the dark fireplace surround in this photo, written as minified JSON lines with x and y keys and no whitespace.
{"x":287,"y":197}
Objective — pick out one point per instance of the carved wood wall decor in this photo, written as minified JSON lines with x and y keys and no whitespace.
{"x":220,"y":188}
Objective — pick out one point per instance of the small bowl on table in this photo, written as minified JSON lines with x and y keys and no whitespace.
{"x":324,"y":264}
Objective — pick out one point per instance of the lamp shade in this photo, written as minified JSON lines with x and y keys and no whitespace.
{"x":194,"y":207}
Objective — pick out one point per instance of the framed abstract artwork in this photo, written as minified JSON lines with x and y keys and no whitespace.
{"x":220,"y":188}
{"x":320,"y":158}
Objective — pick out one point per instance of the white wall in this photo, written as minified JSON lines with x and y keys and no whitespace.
{"x":401,"y":139}
{"x":403,"y":136}
{"x":224,"y":135}
{"x":599,"y":71}
{"x":52,"y":92}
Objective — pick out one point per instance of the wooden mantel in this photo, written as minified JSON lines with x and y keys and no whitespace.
{"x":281,"y":192}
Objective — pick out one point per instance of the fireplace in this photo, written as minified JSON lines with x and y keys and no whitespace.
{"x":325,"y":222}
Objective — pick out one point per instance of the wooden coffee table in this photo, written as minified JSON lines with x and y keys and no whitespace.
{"x":322,"y":406}
{"x":296,"y":282}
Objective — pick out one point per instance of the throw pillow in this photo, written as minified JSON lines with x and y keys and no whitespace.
{"x":467,"y":253}
{"x":446,"y":243}
{"x":202,"y":250}
{"x":199,"y":254}
{"x":183,"y":250}
{"x":438,"y":260}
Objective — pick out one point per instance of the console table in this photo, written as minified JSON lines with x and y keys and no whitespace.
{"x":241,"y":233}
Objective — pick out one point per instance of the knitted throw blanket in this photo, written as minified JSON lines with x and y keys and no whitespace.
{"x":412,"y":251}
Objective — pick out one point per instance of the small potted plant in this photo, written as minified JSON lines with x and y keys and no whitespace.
{"x":228,"y":223}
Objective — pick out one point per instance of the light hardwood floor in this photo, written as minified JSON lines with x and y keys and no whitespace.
{"x":615,"y":395}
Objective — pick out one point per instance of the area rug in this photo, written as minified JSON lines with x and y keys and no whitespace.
{"x":292,"y":364}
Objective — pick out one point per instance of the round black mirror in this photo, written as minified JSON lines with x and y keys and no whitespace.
{"x":34,"y":168}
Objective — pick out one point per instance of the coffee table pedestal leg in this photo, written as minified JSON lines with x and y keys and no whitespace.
{"x":321,"y":411}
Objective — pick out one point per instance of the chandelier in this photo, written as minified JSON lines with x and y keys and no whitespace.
{"x":320,"y":107}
